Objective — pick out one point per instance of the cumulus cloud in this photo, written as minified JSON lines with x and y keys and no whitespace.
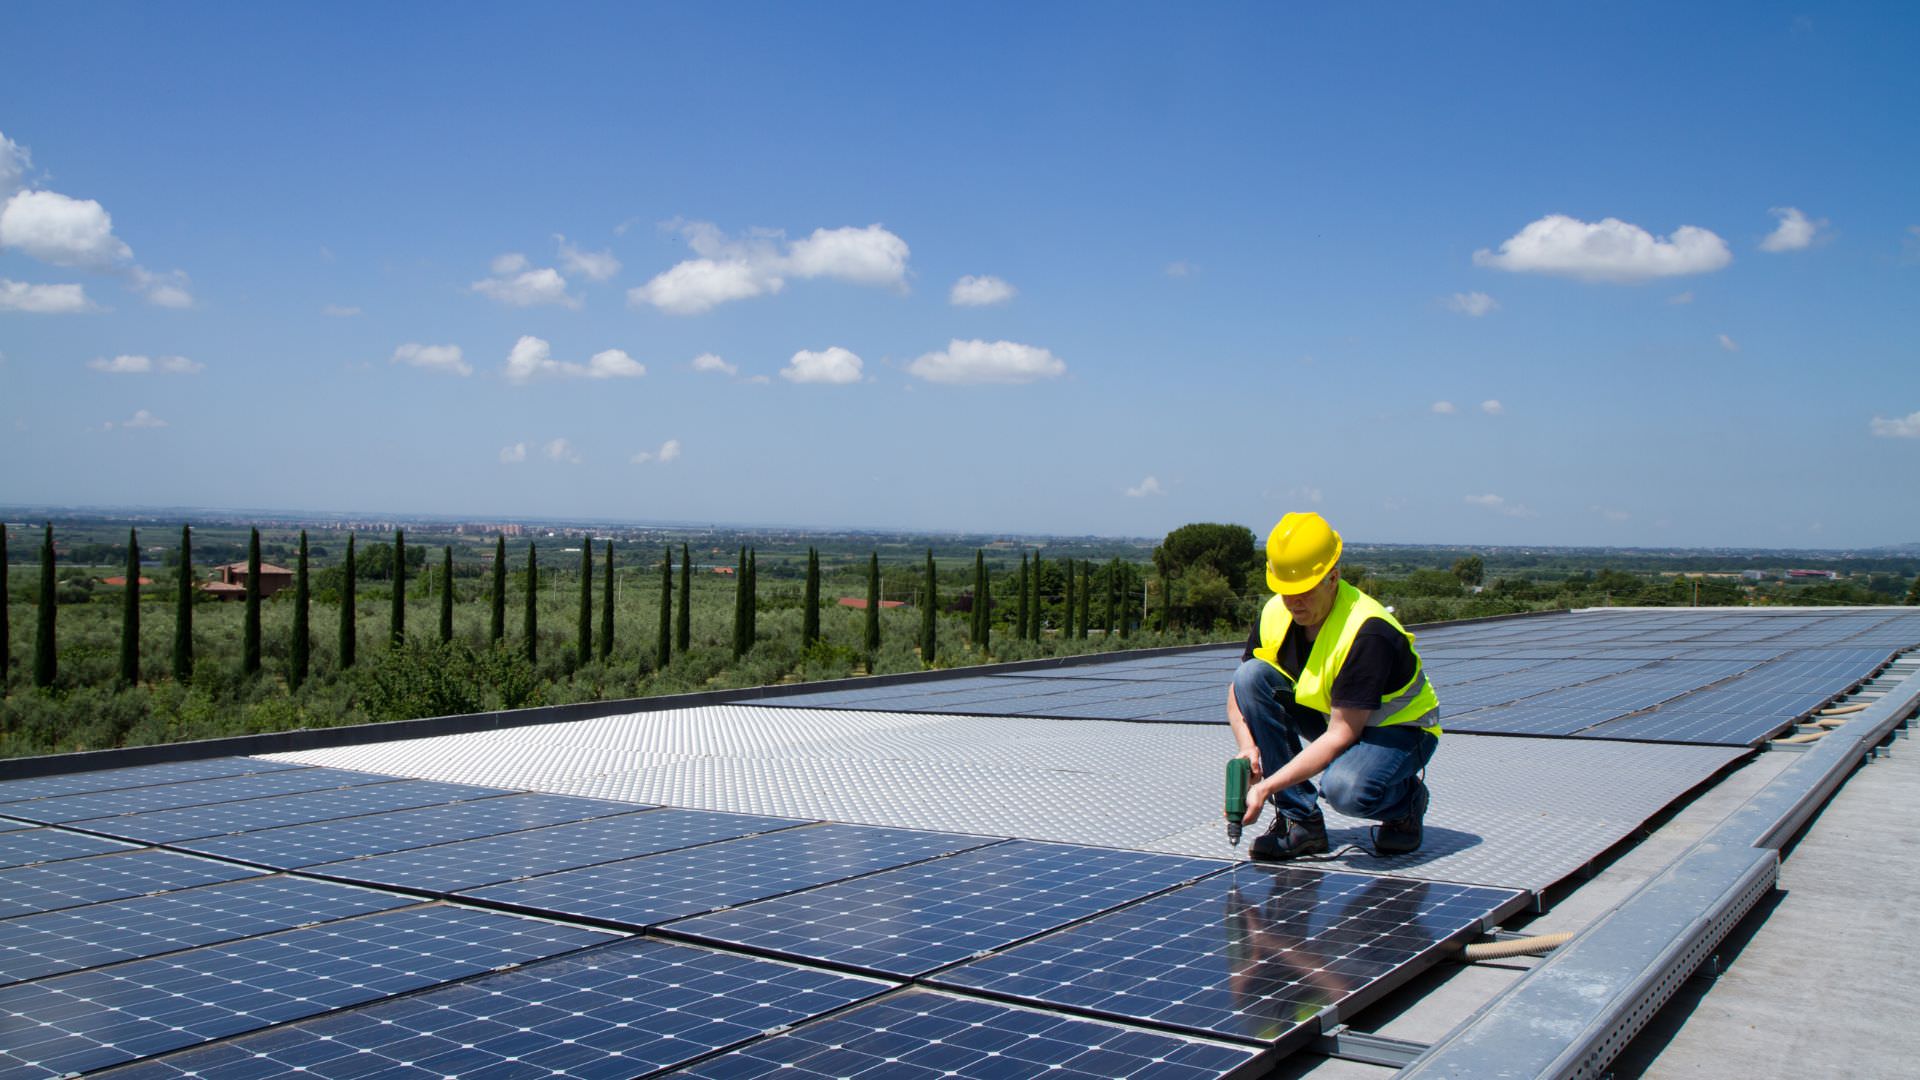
{"x":142,"y":365}
{"x":1443,"y":408}
{"x":988,"y":362}
{"x":1180,"y":268}
{"x":1474,"y":304}
{"x":1900,"y":427}
{"x":513,"y":455}
{"x":1492,"y":407}
{"x":140,"y":419}
{"x":592,"y":265}
{"x":1794,"y":232}
{"x":442,"y":358}
{"x":14,"y":163}
{"x":1499,"y":505}
{"x":169,"y":289}
{"x":1610,"y":250}
{"x":669,"y":451}
{"x":1149,"y":486}
{"x":532,"y":358}
{"x":759,"y":264}
{"x":833,"y":365}
{"x":517,"y":283}
{"x":62,"y":231}
{"x":562,"y":451}
{"x":1729,"y":344}
{"x":339,"y":311}
{"x":710,"y":362}
{"x":43,"y":299}
{"x":981,"y":291}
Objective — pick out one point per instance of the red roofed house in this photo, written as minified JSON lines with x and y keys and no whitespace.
{"x":233,"y":580}
{"x":859,"y":603}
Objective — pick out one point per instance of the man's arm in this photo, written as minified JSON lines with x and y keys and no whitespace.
{"x":1344,"y":728}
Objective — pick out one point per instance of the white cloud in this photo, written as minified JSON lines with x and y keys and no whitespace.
{"x":1729,"y":344}
{"x":988,"y":362}
{"x":516,"y":283}
{"x":592,"y":265}
{"x":1181,"y":268}
{"x":971,"y":291}
{"x":710,"y":362}
{"x":1610,"y":513}
{"x":56,"y":229}
{"x":757,"y":265}
{"x":14,"y":163}
{"x":339,"y":311}
{"x":1492,"y":407}
{"x":759,"y":380}
{"x":1149,"y":486}
{"x":140,"y":419}
{"x":1475,"y":304}
{"x":1794,"y":232}
{"x":669,"y":451}
{"x":1681,"y":298}
{"x":142,"y":365}
{"x":43,"y":299}
{"x":169,"y":289}
{"x":1610,"y":250}
{"x":1907,"y":427}
{"x":513,"y":455}
{"x":1310,"y":494}
{"x":532,"y":357}
{"x":1499,"y":505}
{"x":1443,"y":408}
{"x":834,"y":365}
{"x":443,"y":358}
{"x":562,"y":451}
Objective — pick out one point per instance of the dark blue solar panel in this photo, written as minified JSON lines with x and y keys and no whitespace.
{"x":1254,"y":954}
{"x":1524,"y":718}
{"x":139,"y":800}
{"x":40,"y":787}
{"x":27,"y":846}
{"x":924,"y":1034}
{"x":10,"y":825}
{"x":909,"y":921}
{"x":53,"y":942}
{"x":92,"y":1019}
{"x":194,"y":822}
{"x":469,"y":864}
{"x":294,"y":846}
{"x":72,"y":882}
{"x":623,"y":1010}
{"x":640,"y":892}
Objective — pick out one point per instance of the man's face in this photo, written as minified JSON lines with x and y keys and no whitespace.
{"x":1311,"y":608}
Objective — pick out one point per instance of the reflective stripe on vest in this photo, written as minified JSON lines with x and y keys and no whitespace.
{"x":1313,"y":684}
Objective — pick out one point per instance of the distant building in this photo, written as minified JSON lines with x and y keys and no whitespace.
{"x":233,"y":580}
{"x":121,"y":580}
{"x":1754,"y":575}
{"x":859,"y":603}
{"x":1813,"y":575}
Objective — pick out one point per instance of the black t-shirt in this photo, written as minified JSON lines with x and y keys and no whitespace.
{"x":1379,"y":662}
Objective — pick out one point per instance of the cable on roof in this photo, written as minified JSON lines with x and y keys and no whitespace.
{"x":1501,"y":950}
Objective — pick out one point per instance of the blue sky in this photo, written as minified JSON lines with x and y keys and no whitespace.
{"x":1491,"y":274}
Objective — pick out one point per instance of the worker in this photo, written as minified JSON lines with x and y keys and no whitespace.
{"x":1330,"y":686}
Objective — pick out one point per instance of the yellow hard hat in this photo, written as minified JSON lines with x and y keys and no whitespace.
{"x":1300,"y":551}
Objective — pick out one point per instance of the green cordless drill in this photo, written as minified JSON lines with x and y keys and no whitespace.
{"x":1239,"y":778}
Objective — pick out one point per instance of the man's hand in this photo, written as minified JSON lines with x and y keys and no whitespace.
{"x":1256,"y":800}
{"x":1252,"y":754}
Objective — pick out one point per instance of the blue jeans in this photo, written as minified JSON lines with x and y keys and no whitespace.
{"x":1374,"y":778}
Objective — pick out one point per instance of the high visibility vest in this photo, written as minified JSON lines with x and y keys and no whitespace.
{"x":1313,"y":683}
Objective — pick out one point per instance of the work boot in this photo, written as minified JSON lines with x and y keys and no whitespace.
{"x":1403,"y":835}
{"x":1290,"y":838}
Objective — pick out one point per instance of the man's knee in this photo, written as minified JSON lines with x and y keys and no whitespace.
{"x":1353,"y":792}
{"x":1255,"y":681}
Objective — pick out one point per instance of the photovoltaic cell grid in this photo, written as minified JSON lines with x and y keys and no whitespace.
{"x":921,"y":1033}
{"x":1255,"y":954}
{"x":245,"y":815}
{"x":24,"y":847}
{"x":910,"y":921}
{"x":137,"y":800}
{"x":92,"y":1019}
{"x":12,"y":791}
{"x":51,"y":886}
{"x":626,"y":1009}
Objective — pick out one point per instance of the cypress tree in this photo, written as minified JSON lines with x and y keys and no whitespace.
{"x":1020,"y":602}
{"x":397,"y":621}
{"x":250,"y":640}
{"x":183,"y":610}
{"x":982,"y":602}
{"x":530,"y":618}
{"x":663,"y":651}
{"x":810,"y":602}
{"x":740,"y":606}
{"x":349,"y":609}
{"x":1034,"y":620}
{"x":498,"y":629}
{"x":1086,"y":597}
{"x":683,"y":620}
{"x":753,"y":597}
{"x":446,"y":594}
{"x":130,"y":615}
{"x":872,"y":637}
{"x":1913,"y":591}
{"x":298,"y":657}
{"x":929,"y":624}
{"x":45,"y":667}
{"x":586,"y":600}
{"x":1123,"y":596}
{"x":6,"y":616}
{"x":606,"y":605}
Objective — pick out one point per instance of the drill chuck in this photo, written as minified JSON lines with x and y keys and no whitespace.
{"x":1239,"y":779}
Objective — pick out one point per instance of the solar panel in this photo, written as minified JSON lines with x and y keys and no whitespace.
{"x":623,"y":1010}
{"x":99,"y":804}
{"x":909,"y":921}
{"x":1253,"y":955}
{"x":194,"y":822}
{"x":92,"y":1019}
{"x":52,"y":942}
{"x":293,"y":846}
{"x":921,"y":1033}
{"x":40,"y":787}
{"x":10,"y":825}
{"x":654,"y":889}
{"x":27,"y":846}
{"x":469,"y":864}
{"x":71,"y":882}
